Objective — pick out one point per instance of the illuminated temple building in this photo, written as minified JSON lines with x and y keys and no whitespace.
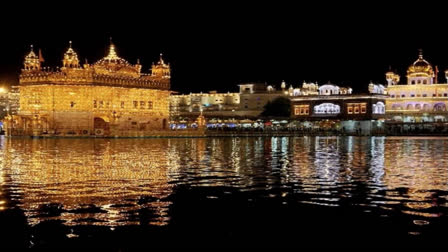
{"x":111,"y":97}
{"x":422,"y":99}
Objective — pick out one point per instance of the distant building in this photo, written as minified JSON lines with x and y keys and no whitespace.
{"x":255,"y":96}
{"x":212,"y":104}
{"x":339,"y":105}
{"x":248,"y":103}
{"x":9,"y":101}
{"x":421,"y":99}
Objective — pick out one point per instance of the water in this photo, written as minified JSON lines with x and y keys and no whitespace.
{"x":280,"y":191}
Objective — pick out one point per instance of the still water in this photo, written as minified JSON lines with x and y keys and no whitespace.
{"x":290,"y":191}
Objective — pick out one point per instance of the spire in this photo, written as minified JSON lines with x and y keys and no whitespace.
{"x":420,"y":54}
{"x":161,"y":62}
{"x":112,"y":53}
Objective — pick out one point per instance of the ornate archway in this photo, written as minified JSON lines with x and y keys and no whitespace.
{"x":101,"y":126}
{"x":327,"y":108}
{"x":439,"y":107}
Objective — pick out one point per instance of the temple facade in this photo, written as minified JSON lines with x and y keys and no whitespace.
{"x":108,"y":98}
{"x":421,"y":99}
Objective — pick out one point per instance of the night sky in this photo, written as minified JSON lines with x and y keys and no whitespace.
{"x":216,"y":47}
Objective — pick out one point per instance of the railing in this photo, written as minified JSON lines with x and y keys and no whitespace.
{"x":60,"y":78}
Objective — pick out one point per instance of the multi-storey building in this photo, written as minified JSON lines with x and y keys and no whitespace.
{"x":421,"y":99}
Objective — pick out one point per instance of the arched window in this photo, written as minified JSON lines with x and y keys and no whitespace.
{"x":439,"y":107}
{"x":418,"y":106}
{"x":410,"y":107}
{"x":379,"y":108}
{"x":327,"y":108}
{"x":426,"y":107}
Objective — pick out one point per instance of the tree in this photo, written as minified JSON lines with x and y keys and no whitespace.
{"x":279,"y":107}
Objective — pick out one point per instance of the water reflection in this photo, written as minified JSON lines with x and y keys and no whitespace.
{"x":111,"y":181}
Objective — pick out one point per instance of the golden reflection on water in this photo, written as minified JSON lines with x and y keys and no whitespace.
{"x":109,"y":181}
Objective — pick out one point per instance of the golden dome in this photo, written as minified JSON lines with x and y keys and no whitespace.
{"x":116,"y":66}
{"x":112,"y":58}
{"x":421,"y":66}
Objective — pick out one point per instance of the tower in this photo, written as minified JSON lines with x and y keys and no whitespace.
{"x":70,"y":59}
{"x":161,"y":69}
{"x":32,"y":61}
{"x":392,"y":78}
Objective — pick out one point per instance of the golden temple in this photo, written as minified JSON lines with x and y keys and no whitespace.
{"x":108,"y":98}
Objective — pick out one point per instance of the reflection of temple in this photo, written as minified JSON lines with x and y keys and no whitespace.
{"x":423,"y":99}
{"x":95,"y":181}
{"x":111,"y":97}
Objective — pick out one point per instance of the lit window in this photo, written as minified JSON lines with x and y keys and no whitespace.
{"x":301,"y":110}
{"x":149,"y":104}
{"x":363,"y":108}
{"x":122,"y":104}
{"x":327,"y":108}
{"x":142,"y":104}
{"x":94,"y":104}
{"x":135,"y":104}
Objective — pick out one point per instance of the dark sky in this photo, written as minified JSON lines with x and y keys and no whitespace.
{"x":215,"y":47}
